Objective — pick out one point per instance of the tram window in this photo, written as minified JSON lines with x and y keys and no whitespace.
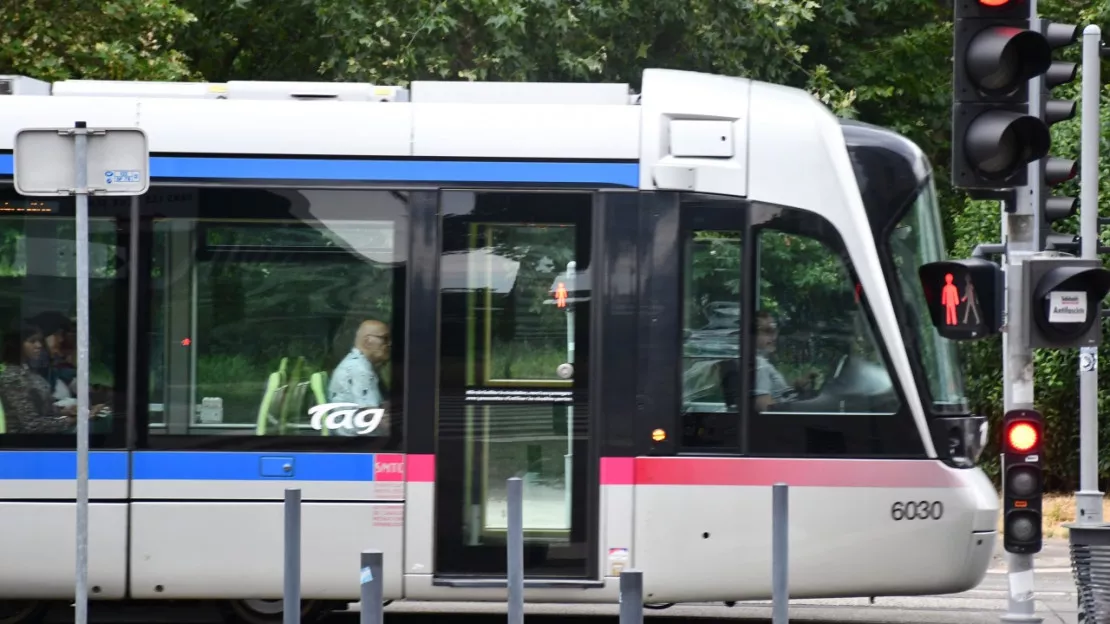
{"x":277,"y":313}
{"x":38,"y":330}
{"x":820,"y":384}
{"x":711,"y":338}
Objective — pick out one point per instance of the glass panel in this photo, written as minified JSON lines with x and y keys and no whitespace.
{"x":918,"y":239}
{"x":815,"y":347}
{"x":279,"y":326}
{"x":531,"y":273}
{"x":522,"y":308}
{"x":711,"y":338}
{"x":38,"y":310}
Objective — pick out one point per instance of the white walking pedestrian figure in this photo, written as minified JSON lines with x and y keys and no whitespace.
{"x":972,"y":301}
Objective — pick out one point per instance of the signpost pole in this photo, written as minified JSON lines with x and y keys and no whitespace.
{"x":1088,"y":500}
{"x":81,"y":171}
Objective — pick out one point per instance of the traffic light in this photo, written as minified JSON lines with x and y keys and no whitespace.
{"x":964,"y":297}
{"x":1065,"y":296}
{"x":1054,"y":170}
{"x":1022,"y":481}
{"x":995,"y":55}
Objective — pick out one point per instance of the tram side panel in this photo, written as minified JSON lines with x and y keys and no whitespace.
{"x":38,"y":524}
{"x":704,"y":526}
{"x":211,"y":524}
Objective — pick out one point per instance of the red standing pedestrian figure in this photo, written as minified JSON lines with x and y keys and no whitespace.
{"x":949,"y":298}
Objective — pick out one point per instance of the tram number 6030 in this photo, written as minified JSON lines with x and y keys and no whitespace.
{"x":920,"y":510}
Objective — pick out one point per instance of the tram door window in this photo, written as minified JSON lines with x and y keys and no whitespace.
{"x":270,"y":307}
{"x":711,"y":323}
{"x":820,"y":382}
{"x":38,"y":328}
{"x":514,"y":340}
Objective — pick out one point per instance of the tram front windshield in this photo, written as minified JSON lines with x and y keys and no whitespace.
{"x":918,"y":239}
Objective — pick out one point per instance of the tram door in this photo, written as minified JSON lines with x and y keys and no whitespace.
{"x":514,"y":340}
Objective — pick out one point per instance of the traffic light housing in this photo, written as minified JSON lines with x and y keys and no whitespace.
{"x":964,"y":297}
{"x":1065,"y":297}
{"x":995,"y":55}
{"x":1022,"y":481}
{"x":1055,"y":170}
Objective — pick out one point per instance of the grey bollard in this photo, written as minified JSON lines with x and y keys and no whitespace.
{"x":291,"y":597}
{"x":370,"y":587}
{"x":632,"y":597}
{"x":780,"y":532}
{"x":515,"y":551}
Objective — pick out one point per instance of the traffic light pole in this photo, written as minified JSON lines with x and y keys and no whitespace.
{"x":1088,"y":499}
{"x":1022,"y":237}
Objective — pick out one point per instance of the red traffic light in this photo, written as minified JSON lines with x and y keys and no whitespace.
{"x":1022,"y":437}
{"x":994,"y":3}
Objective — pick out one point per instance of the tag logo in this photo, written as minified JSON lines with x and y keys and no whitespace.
{"x":346,"y":416}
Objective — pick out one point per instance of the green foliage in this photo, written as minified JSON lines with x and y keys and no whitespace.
{"x":882,"y":61}
{"x":114,"y":39}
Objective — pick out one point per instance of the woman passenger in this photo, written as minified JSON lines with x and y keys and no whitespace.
{"x":26,"y":396}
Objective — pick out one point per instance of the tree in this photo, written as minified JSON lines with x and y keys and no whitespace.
{"x":115,"y":39}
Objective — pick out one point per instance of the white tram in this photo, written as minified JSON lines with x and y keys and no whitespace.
{"x":396,"y":298}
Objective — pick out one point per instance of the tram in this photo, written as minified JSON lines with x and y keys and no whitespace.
{"x":396,"y":298}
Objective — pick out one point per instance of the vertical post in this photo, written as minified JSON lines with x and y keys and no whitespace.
{"x":1022,"y":232}
{"x":515,"y":551}
{"x":632,"y":597}
{"x":371,"y":590}
{"x":780,"y":534}
{"x":568,"y":458}
{"x":1088,"y":499}
{"x":291,"y":597}
{"x":81,"y":169}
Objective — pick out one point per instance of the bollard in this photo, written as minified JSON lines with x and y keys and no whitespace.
{"x":780,"y":532}
{"x":632,"y":597}
{"x":291,"y":598}
{"x":371,"y":587}
{"x":515,"y":551}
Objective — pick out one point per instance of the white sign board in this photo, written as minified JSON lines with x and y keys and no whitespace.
{"x":1067,"y":307}
{"x":118,"y":161}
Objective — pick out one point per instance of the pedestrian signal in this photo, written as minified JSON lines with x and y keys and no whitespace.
{"x":964,"y":297}
{"x":561,"y":295}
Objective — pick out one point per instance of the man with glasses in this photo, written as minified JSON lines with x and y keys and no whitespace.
{"x":355,"y":380}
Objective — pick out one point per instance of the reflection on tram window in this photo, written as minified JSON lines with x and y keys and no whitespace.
{"x":711,"y":338}
{"x":814,"y":345}
{"x":38,"y":330}
{"x":274,"y":314}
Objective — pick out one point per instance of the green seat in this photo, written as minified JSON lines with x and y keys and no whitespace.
{"x":319,"y":384}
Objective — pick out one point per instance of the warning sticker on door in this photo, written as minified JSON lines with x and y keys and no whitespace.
{"x":618,"y":561}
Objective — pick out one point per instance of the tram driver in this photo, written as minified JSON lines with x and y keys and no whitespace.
{"x":770,"y":385}
{"x":355,"y":380}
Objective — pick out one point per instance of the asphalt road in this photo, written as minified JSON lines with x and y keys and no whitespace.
{"x":1055,"y":591}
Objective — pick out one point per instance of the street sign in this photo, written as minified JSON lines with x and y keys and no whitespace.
{"x":117,"y":161}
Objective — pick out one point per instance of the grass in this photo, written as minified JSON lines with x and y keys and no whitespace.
{"x":1058,"y":510}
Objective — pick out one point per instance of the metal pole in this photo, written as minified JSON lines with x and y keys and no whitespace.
{"x":291,"y":597}
{"x":370,"y":585}
{"x":632,"y":597}
{"x":1088,"y":499}
{"x":81,"y":169}
{"x":515,"y":551}
{"x":1022,"y":231}
{"x":780,"y":534}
